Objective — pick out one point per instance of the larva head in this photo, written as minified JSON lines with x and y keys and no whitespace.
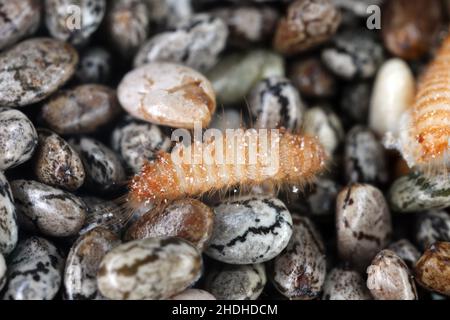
{"x":156,"y":182}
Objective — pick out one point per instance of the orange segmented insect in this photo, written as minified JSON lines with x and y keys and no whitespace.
{"x":425,"y":129}
{"x":247,"y":158}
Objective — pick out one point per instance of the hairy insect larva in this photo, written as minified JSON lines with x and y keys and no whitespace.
{"x":424,"y":131}
{"x":247,"y":158}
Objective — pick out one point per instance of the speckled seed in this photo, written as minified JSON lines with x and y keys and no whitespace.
{"x":35,"y":271}
{"x":64,"y":24}
{"x":231,"y":282}
{"x":357,"y":7}
{"x":2,"y":272}
{"x":34,"y":69}
{"x":100,"y":213}
{"x":409,"y":27}
{"x":168,"y":94}
{"x":104,"y":171}
{"x":406,"y":251}
{"x":51,"y":211}
{"x":154,"y":268}
{"x":431,"y":227}
{"x":196,"y":43}
{"x":308,"y":23}
{"x":433,"y":270}
{"x":83,"y":109}
{"x":19,"y":19}
{"x":167,"y":13}
{"x":248,"y":25}
{"x":194,"y":294}
{"x":236,"y":74}
{"x":18,"y":138}
{"x":311,"y":78}
{"x":56,"y":163}
{"x":326,"y":126}
{"x":137,"y":142}
{"x":343,"y":284}
{"x":275,"y":103}
{"x":355,"y":102}
{"x":392,"y":95}
{"x":95,"y":66}
{"x":250,"y":230}
{"x":355,"y":55}
{"x":389,"y":278}
{"x":127,"y":25}
{"x":321,"y":198}
{"x":299,"y":272}
{"x":8,"y":224}
{"x":80,"y":275}
{"x":188,"y":219}
{"x":363,"y":224}
{"x":365,"y":159}
{"x":417,"y":192}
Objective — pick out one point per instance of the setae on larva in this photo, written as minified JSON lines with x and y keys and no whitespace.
{"x":424,"y":132}
{"x":246,"y":158}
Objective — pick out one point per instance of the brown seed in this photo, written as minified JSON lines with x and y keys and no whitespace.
{"x":409,"y":26}
{"x":34,"y":69}
{"x":189,"y":219}
{"x":57,"y":163}
{"x":299,"y":272}
{"x":312,"y":78}
{"x":363,"y":224}
{"x":81,"y":110}
{"x":389,"y":278}
{"x":308,"y":24}
{"x":433,"y":269}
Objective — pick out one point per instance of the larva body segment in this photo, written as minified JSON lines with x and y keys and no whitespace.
{"x":252,"y":158}
{"x":425,"y":129}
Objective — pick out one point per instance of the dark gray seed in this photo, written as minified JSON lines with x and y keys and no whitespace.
{"x":168,"y":13}
{"x":80,"y":276}
{"x":355,"y":102}
{"x":56,"y":163}
{"x":250,"y":230}
{"x":83,"y":109}
{"x":8,"y":224}
{"x":35,"y":271}
{"x":18,"y":138}
{"x":18,"y":20}
{"x":101,"y":213}
{"x":248,"y":25}
{"x":196,"y":43}
{"x":104,"y":170}
{"x":74,"y":21}
{"x":231,"y":282}
{"x":34,"y":69}
{"x":406,"y":251}
{"x":50,"y":211}
{"x":138,"y":142}
{"x":431,"y":227}
{"x":95,"y":66}
{"x":365,"y":158}
{"x":299,"y":272}
{"x":355,"y":54}
{"x":275,"y":103}
{"x":127,"y":25}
